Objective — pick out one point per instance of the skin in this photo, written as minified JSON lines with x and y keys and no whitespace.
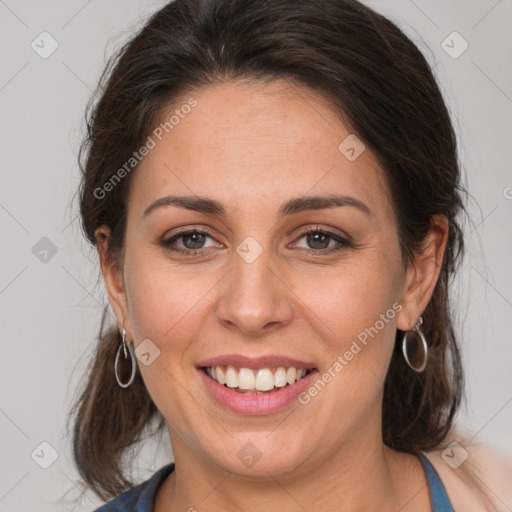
{"x":252,"y":147}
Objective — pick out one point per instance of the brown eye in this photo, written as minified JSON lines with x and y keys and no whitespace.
{"x":191,"y":241}
{"x":318,"y":240}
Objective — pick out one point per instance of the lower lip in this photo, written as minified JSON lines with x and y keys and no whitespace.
{"x":255,"y":405}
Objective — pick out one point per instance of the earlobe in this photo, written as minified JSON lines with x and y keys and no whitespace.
{"x":423,"y":273}
{"x":112,"y":276}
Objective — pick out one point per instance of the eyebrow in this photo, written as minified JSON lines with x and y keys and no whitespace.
{"x":290,"y":207}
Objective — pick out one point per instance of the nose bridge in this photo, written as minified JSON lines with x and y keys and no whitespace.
{"x":255,"y":298}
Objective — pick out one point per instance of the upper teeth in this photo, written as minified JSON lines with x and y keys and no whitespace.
{"x":261,"y":379}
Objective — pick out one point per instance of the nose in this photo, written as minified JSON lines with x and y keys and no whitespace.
{"x":255,"y":300}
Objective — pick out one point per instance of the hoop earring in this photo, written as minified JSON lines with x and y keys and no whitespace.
{"x":134,"y":364}
{"x":415,"y":354}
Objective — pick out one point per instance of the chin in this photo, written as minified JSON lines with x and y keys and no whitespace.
{"x":258,"y":455}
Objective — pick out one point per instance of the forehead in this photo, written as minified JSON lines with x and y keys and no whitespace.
{"x":245,"y":143}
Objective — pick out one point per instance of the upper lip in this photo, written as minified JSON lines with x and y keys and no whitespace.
{"x":268,"y":361}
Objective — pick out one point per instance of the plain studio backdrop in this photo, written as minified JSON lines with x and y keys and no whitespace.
{"x":52,"y":55}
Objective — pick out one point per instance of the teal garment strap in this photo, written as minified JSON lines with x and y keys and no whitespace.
{"x":140,"y":498}
{"x":440,"y":500}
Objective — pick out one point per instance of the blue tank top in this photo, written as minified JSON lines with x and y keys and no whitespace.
{"x":141,"y":497}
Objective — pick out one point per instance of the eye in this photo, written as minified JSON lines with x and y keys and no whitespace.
{"x":192,"y":240}
{"x":318,"y":241}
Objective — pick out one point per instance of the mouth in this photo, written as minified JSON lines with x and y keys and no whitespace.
{"x":256,"y":385}
{"x":256,"y":381}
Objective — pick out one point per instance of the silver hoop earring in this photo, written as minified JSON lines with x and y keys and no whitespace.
{"x":415,"y":351}
{"x":134,"y":364}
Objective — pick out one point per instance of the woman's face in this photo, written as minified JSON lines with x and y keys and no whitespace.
{"x":258,"y":291}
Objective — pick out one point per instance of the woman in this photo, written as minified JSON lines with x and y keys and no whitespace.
{"x":274,"y":193}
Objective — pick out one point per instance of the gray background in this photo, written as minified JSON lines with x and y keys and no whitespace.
{"x":51,"y":303}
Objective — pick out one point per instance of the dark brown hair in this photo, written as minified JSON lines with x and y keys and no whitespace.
{"x":380,"y":85}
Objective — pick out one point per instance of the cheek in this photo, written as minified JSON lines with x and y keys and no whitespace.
{"x":350,"y":297}
{"x":167,"y":308}
{"x":353,"y":309}
{"x":357,"y":313}
{"x":163,"y":299}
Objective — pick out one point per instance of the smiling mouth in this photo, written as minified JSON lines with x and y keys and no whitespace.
{"x":256,"y":381}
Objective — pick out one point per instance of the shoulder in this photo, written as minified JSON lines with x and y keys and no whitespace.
{"x":139,"y":498}
{"x":475,"y":475}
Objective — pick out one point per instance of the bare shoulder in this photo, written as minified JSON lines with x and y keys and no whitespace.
{"x":476,"y":476}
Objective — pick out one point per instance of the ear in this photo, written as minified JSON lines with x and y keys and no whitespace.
{"x":113,"y":277}
{"x":423,"y":273}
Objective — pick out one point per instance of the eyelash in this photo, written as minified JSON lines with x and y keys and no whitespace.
{"x":343,"y":242}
